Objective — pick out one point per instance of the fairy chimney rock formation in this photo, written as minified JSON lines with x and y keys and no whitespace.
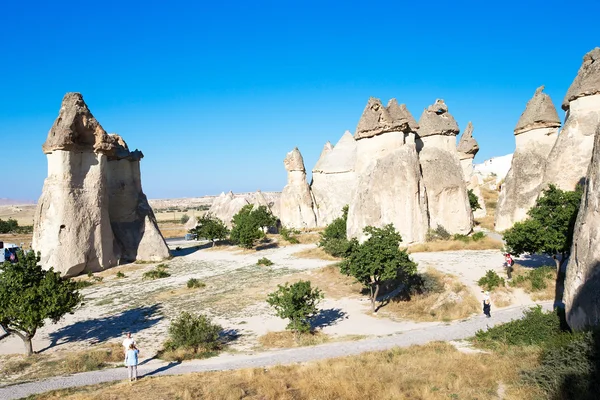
{"x":467,"y":149}
{"x":535,"y":135}
{"x":73,"y":224}
{"x":447,"y":196}
{"x":389,"y":186}
{"x":334,"y":180}
{"x":296,"y":201}
{"x":582,"y":281}
{"x":570,"y":158}
{"x":328,"y":148}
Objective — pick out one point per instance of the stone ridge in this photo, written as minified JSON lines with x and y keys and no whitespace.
{"x":467,"y":143}
{"x":539,"y":113}
{"x":76,"y":129}
{"x":436,"y":120}
{"x":326,"y":150}
{"x":293,"y":161}
{"x":587,"y":81}
{"x":402,"y":118}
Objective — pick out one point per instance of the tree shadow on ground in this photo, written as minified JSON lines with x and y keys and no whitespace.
{"x":190,"y":250}
{"x":228,"y":336}
{"x":328,"y":317}
{"x":99,"y":330}
{"x":534,"y":260}
{"x":268,"y":245}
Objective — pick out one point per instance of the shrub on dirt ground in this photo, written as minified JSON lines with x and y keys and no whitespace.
{"x":377,"y":260}
{"x":157,"y":273}
{"x":490,"y":281}
{"x":194,"y":283}
{"x":249,"y":225}
{"x":8,"y":226}
{"x":477,"y":236}
{"x":297,"y":302}
{"x":333,"y":238}
{"x":121,"y":275}
{"x":439,"y":233}
{"x":473,"y":201}
{"x":211,"y":228}
{"x":569,"y":370}
{"x":264,"y":261}
{"x":287,"y":234}
{"x":193,"y":332}
{"x":184,"y":218}
{"x":535,"y":328}
{"x":535,"y":279}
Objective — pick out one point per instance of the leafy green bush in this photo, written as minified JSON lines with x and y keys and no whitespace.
{"x":535,"y":328}
{"x":477,"y":236}
{"x":194,"y":332}
{"x":569,"y":370}
{"x":439,"y":233}
{"x":264,"y":261}
{"x":9,"y":226}
{"x":333,"y":239}
{"x":538,"y":277}
{"x":211,"y":228}
{"x":82,"y":284}
{"x":184,"y":219}
{"x":473,"y":201}
{"x":195,"y":283}
{"x":287,"y":233}
{"x":121,"y":275}
{"x":490,"y":280}
{"x":297,"y":302}
{"x":462,"y":238}
{"x":156,"y":273}
{"x":249,"y":225}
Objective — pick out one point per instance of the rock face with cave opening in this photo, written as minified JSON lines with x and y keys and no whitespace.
{"x":92,"y":213}
{"x":535,"y":136}
{"x":389,"y":186}
{"x":447,"y":196}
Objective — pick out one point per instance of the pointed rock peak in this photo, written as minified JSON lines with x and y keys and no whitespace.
{"x":328,"y":148}
{"x":587,"y":81}
{"x":436,"y":120}
{"x":76,"y":129}
{"x":403,"y":119}
{"x":467,"y":143}
{"x":539,"y":113}
{"x":293,"y":161}
{"x":375,"y":120}
{"x":230,"y":195}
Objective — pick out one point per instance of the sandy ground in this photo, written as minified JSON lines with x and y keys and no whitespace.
{"x":234,"y":296}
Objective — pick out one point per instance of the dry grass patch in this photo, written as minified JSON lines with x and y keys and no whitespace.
{"x":453,"y":301}
{"x":487,"y":222}
{"x":501,"y":297}
{"x":287,"y":339}
{"x":317,"y":253}
{"x":333,"y":283}
{"x":17,"y":238}
{"x":540,"y":282}
{"x":487,"y":243}
{"x":433,"y":371}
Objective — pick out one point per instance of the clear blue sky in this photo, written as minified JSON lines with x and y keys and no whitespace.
{"x":216,"y":93}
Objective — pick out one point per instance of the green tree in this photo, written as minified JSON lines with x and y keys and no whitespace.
{"x":333,"y":238}
{"x":549,"y":228}
{"x":248,"y":225}
{"x":211,"y":228}
{"x":194,"y":332}
{"x":473,"y":201}
{"x":8,"y":226}
{"x":378,"y":259}
{"x":29,"y":296}
{"x":297,"y":302}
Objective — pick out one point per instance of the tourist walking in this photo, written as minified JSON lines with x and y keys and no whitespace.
{"x":508,"y":263}
{"x":487,"y":305}
{"x":131,"y":362}
{"x":128,"y":342}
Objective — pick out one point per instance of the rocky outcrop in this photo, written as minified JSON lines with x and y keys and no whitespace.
{"x":582,"y":281}
{"x":334,"y":180}
{"x":467,"y":149}
{"x":569,"y":160}
{"x":389,"y":186}
{"x":226,"y":206}
{"x":447,"y":197}
{"x":92,"y":213}
{"x":535,"y":135}
{"x":296,"y":202}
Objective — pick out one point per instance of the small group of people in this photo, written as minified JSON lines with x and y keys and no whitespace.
{"x":487,"y":303}
{"x":131,"y":356}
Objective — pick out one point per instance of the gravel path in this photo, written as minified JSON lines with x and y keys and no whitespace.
{"x":441,"y":332}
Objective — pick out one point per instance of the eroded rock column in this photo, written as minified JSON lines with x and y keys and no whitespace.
{"x":296,"y":202}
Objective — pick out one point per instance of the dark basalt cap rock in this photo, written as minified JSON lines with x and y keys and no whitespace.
{"x":76,"y":129}
{"x":436,"y":120}
{"x":539,"y":113}
{"x":467,"y":143}
{"x":403,"y":120}
{"x":375,"y":120}
{"x":121,"y":150}
{"x":587,"y":81}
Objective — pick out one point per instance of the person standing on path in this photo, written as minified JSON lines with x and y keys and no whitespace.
{"x":487,"y":305}
{"x":508,"y":263}
{"x":128,"y":342}
{"x":131,"y":361}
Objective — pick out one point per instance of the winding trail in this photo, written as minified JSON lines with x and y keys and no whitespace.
{"x":441,"y":332}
